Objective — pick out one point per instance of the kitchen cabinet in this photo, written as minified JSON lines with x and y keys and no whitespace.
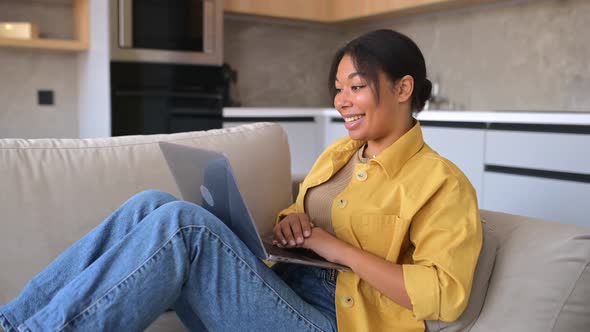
{"x":308,"y":10}
{"x":553,"y":148}
{"x":331,"y":11}
{"x":78,"y":44}
{"x":540,"y":197}
{"x":538,"y":170}
{"x":333,"y":130}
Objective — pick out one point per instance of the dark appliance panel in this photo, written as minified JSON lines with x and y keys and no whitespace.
{"x":150,"y":98}
{"x":175,"y":25}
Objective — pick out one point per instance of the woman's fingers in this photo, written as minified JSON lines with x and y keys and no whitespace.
{"x":279,"y":238}
{"x":297,"y":230}
{"x":306,"y":225}
{"x":288,"y":234}
{"x":292,"y":230}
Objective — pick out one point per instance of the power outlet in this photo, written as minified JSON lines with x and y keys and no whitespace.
{"x":45,"y":97}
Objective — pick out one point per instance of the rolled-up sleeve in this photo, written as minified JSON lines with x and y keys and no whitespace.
{"x":447,"y":237}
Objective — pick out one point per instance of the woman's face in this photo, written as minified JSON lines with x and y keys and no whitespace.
{"x":365,"y":118}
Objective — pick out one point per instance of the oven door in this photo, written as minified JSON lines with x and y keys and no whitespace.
{"x":145,"y":112}
{"x":167,"y":31}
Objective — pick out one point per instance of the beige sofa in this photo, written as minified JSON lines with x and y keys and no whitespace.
{"x":54,"y":191}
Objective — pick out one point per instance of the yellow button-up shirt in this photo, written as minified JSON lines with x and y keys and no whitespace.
{"x":412,"y":207}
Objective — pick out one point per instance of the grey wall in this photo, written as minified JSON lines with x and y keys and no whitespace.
{"x":280,"y":63}
{"x":516,"y":55}
{"x":523,"y":55}
{"x":520,"y":55}
{"x":23,"y":72}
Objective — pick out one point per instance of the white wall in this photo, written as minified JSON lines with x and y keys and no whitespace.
{"x":93,"y":68}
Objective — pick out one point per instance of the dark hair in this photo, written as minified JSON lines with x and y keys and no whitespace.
{"x":390,"y":52}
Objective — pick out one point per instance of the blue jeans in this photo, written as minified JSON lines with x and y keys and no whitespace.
{"x":156,"y":253}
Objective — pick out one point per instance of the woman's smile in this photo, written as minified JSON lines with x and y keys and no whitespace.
{"x":353,"y":121}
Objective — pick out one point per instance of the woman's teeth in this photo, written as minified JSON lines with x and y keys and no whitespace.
{"x":353,"y":118}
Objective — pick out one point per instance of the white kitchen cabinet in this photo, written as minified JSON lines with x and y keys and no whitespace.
{"x":333,"y":130}
{"x":464,"y":146}
{"x":539,"y":170}
{"x":549,"y":199}
{"x":554,"y":151}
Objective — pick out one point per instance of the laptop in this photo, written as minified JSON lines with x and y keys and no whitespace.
{"x":206,"y":178}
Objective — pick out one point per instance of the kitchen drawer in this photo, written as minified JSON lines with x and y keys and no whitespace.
{"x":551,"y":199}
{"x":554,"y":148}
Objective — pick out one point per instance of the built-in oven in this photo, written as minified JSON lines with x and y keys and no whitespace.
{"x":153,"y":98}
{"x":167,"y":31}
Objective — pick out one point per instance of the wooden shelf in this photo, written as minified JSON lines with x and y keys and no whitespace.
{"x":81,"y":32}
{"x":47,"y":44}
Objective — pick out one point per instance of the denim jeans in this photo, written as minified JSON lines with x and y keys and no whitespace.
{"x":156,"y":253}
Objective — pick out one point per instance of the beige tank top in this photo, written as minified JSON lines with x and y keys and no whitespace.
{"x":318,"y":200}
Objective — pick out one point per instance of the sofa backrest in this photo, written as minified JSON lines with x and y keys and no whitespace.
{"x":53,"y":191}
{"x":541,"y":276}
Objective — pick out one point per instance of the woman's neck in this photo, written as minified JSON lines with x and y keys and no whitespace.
{"x":374,"y":147}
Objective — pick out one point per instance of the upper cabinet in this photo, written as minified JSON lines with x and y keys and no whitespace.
{"x":332,"y":11}
{"x":309,"y":10}
{"x":78,"y":43}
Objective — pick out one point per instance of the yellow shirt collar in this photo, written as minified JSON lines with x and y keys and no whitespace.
{"x":391,"y":159}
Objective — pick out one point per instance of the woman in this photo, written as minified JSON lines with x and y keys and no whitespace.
{"x":382,"y":202}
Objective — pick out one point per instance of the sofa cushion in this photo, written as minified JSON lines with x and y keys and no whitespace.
{"x":56,"y":190}
{"x":481,"y":278}
{"x":541,"y":278}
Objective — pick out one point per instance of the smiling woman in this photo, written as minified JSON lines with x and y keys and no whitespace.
{"x":403,"y":218}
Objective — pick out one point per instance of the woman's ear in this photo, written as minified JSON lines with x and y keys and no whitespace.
{"x":405,"y":88}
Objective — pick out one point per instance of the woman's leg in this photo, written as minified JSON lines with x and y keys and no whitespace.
{"x":42,"y":288}
{"x":182,"y":256}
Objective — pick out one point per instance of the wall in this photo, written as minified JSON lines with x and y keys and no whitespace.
{"x":520,"y":55}
{"x":279,"y":62}
{"x":23,"y":72}
{"x":515,"y":55}
{"x":94,"y":90}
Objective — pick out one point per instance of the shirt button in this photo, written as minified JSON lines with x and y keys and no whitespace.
{"x":347,"y":301}
{"x":361,"y":175}
{"x":342,"y":203}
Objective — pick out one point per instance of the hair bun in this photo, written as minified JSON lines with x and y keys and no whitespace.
{"x":424,"y":94}
{"x":426,"y":90}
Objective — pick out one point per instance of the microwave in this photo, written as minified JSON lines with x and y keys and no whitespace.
{"x":167,"y":31}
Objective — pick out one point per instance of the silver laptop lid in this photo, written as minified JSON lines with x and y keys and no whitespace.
{"x":205,"y":177}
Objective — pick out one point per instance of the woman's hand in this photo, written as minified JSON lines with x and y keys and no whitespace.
{"x":292,"y":230}
{"x":327,"y":245}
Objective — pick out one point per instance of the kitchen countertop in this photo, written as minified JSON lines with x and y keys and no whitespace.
{"x":569,"y":118}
